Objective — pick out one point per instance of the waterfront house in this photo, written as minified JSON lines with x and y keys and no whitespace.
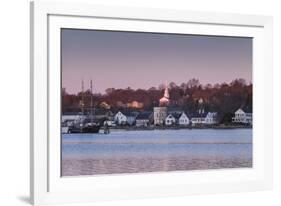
{"x":144,"y":119}
{"x":175,"y":118}
{"x":160,"y":114}
{"x":211,"y":118}
{"x":130,"y":116}
{"x":198,"y":118}
{"x":170,"y":120}
{"x":120,"y":118}
{"x":243,"y":116}
{"x":175,"y":110}
{"x":183,"y":119}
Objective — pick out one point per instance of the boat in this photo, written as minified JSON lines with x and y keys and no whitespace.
{"x":87,"y":125}
{"x":84,"y":126}
{"x":87,"y":128}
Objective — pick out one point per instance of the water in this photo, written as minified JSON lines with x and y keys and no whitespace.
{"x":155,"y":151}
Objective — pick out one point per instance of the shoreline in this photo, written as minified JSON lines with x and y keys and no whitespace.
{"x":176,"y":128}
{"x":159,"y":128}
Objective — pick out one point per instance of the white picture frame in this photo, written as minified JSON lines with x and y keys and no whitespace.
{"x":47,"y":186}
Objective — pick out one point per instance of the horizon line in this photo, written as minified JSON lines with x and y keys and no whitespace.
{"x":247,"y":83}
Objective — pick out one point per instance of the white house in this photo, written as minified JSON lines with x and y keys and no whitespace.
{"x":170,"y":120}
{"x":211,"y":118}
{"x":120,"y":118}
{"x":183,"y":120}
{"x":206,"y":118}
{"x":198,"y":119}
{"x":130,"y":117}
{"x":242,"y":117}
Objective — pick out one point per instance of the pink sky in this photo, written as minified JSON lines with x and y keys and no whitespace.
{"x":142,"y":60}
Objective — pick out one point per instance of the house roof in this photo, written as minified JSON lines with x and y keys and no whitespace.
{"x":129,"y":113}
{"x":144,"y":115}
{"x":170,"y":115}
{"x":173,"y":109}
{"x":188,"y":116}
{"x":246,"y":109}
{"x":197,"y":115}
{"x":212,"y":114}
{"x":177,"y":115}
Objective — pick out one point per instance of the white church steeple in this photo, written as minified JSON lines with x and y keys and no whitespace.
{"x":166,"y":93}
{"x":165,"y":100}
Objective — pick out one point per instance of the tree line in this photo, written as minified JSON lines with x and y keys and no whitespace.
{"x":222,"y":98}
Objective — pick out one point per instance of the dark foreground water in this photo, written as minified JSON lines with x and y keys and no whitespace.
{"x":155,"y":151}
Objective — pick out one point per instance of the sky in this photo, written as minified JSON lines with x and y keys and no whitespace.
{"x":121,"y":59}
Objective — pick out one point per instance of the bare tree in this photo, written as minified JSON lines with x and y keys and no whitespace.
{"x":108,"y":91}
{"x":193,"y":83}
{"x":173,"y":85}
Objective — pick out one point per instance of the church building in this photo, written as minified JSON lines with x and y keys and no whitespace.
{"x":161,"y":112}
{"x":165,"y":100}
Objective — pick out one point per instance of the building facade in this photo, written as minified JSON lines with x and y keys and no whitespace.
{"x":184,"y":120}
{"x":170,"y":120}
{"x":120,"y":118}
{"x":243,"y":117}
{"x":131,"y":116}
{"x":159,"y":115}
{"x":211,"y":118}
{"x":198,"y":119}
{"x":165,"y":100}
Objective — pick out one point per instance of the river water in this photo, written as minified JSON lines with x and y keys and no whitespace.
{"x":155,"y":151}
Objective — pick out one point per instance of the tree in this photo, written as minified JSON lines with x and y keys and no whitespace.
{"x":240,"y":82}
{"x":208,"y":86}
{"x":152,"y":89}
{"x":193,"y":83}
{"x":173,"y":85}
{"x":63,"y":91}
{"x":108,"y":91}
{"x":222,"y":98}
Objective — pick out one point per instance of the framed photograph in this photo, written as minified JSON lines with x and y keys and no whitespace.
{"x":137,"y":103}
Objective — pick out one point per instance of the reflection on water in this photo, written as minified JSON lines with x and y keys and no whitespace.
{"x":158,"y":150}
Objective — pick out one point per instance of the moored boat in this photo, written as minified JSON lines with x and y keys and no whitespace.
{"x":85,"y":125}
{"x":84,"y":129}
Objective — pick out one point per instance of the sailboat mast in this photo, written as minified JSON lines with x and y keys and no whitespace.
{"x":91,"y":86}
{"x":82,"y":105}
